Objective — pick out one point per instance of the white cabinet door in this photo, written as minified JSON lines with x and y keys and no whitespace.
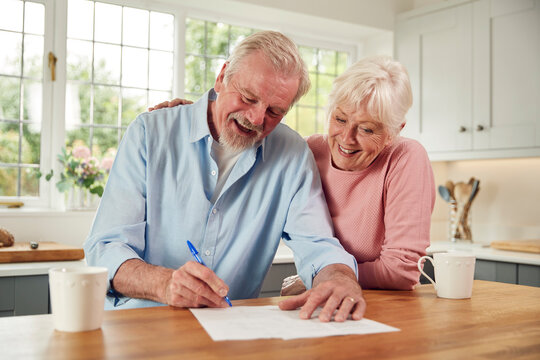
{"x":436,"y":48}
{"x":506,"y":74}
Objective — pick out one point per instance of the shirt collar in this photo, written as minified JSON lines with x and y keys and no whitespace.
{"x":199,"y":128}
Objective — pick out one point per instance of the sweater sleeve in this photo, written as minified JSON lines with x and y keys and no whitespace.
{"x":408,"y":203}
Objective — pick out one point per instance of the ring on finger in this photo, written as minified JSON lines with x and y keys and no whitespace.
{"x":351,"y":299}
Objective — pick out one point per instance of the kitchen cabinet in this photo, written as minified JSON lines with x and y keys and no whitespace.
{"x":499,"y":271}
{"x":24,"y":295}
{"x":475,"y":74}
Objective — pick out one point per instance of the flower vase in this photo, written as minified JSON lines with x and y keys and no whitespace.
{"x":80,"y":198}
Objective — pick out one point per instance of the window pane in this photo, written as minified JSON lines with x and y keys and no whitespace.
{"x":311,"y":97}
{"x":34,"y":18}
{"x":217,"y":39}
{"x":306,"y":121}
{"x":77,"y":104}
{"x":327,"y":62}
{"x":11,"y":16}
{"x":161,"y":31}
{"x":135,"y":67}
{"x":33,"y":99}
{"x":135,"y":27}
{"x":321,"y":121}
{"x":290,"y":118}
{"x":342,"y":62}
{"x":106,"y":104}
{"x":80,"y":19}
{"x":30,"y":144}
{"x":194,"y":36}
{"x":107,"y":64}
{"x":78,"y":136}
{"x":29,"y":182}
{"x":237,"y":35}
{"x":79,"y":60}
{"x":161,"y":70}
{"x":9,"y":98}
{"x":10,"y":53}
{"x":8,"y":181}
{"x":325,"y":85}
{"x":108,"y":22}
{"x":9,"y":143}
{"x":213,"y":67}
{"x":103,"y":140}
{"x":309,"y":55}
{"x":133,"y":103}
{"x":33,"y":56}
{"x":194,"y":81}
{"x":156,"y":97}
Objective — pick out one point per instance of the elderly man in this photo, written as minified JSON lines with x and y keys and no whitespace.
{"x":224,"y":174}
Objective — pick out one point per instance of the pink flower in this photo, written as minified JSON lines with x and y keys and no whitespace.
{"x":81,"y":152}
{"x":106,"y":163}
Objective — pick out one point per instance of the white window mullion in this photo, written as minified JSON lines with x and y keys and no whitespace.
{"x":57,"y":135}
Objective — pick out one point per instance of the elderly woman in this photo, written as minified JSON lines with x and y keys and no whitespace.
{"x":379,"y":186}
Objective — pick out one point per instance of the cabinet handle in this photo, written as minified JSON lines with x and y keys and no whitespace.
{"x":462,"y":129}
{"x":480,"y":128}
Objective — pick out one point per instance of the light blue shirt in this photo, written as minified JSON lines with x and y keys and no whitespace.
{"x":158,"y":196}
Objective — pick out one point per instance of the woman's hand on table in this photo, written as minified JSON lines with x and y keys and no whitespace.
{"x":334,"y":288}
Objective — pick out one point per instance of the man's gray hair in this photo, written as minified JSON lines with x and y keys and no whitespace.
{"x":378,"y":85}
{"x":282,"y":53}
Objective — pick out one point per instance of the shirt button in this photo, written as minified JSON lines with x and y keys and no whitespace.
{"x":213,"y":172}
{"x":207,"y":253}
{"x":214,"y":211}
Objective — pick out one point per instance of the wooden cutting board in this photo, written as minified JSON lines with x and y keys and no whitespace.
{"x":532,"y":246}
{"x":47,"y":251}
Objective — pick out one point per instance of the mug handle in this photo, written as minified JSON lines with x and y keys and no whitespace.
{"x":419,"y":264}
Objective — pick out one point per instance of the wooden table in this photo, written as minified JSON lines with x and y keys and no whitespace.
{"x":500,"y":321}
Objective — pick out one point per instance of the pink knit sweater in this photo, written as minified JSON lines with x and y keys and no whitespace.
{"x":381,"y":214}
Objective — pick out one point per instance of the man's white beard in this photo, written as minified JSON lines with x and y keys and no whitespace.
{"x":236,"y":142}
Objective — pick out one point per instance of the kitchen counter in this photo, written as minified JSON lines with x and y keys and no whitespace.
{"x":284,"y":255}
{"x":35,"y":268}
{"x":485,"y":252}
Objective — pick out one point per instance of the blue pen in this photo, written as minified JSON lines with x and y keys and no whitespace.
{"x":195,"y":253}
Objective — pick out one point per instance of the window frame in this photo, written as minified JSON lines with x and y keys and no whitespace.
{"x":312,"y":32}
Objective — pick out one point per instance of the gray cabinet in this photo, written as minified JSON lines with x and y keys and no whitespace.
{"x":24,"y":295}
{"x":510,"y":273}
{"x":272,"y":282}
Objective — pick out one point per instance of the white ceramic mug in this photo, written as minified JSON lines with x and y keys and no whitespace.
{"x":78,"y":297}
{"x":454,"y":274}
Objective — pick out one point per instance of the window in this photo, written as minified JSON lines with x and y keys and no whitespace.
{"x":21,"y":90}
{"x":309,"y":116}
{"x":208,"y":45}
{"x":119,"y":60}
{"x":116,"y":58}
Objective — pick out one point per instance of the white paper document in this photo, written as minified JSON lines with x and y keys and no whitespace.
{"x":265,"y":322}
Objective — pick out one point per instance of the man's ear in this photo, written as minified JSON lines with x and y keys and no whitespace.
{"x":219,"y":80}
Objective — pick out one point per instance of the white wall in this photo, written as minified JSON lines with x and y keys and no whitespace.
{"x":507,"y":206}
{"x":376,"y":13}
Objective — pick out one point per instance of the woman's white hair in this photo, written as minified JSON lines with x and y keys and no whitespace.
{"x":282,"y":53}
{"x":378,"y":85}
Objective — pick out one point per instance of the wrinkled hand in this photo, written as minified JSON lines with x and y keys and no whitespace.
{"x":195,"y":285}
{"x":335,"y":288}
{"x":292,"y":285}
{"x":172,"y":103}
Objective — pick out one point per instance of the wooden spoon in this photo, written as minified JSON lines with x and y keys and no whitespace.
{"x":450,"y":186}
{"x":462,"y":192}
